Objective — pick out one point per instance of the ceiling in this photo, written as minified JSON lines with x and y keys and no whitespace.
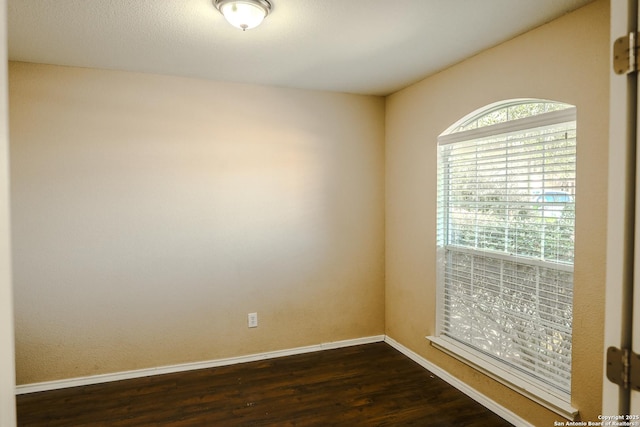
{"x":371,"y":47}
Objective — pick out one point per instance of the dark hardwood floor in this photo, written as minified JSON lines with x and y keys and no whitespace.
{"x":367,"y":385}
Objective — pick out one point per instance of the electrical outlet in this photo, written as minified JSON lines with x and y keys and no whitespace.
{"x":252,"y":320}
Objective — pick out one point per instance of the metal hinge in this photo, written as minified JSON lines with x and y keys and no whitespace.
{"x":625,"y":54}
{"x":623,"y":368}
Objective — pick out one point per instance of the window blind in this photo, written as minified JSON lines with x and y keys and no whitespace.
{"x":506,"y":214}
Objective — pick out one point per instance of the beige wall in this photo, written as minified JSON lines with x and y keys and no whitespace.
{"x":7,"y":371}
{"x":566,"y":60}
{"x":152,"y":213}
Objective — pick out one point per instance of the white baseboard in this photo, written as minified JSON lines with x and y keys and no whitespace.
{"x":139,"y":373}
{"x":464,"y":388}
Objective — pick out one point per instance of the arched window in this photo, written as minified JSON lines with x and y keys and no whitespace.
{"x":506,"y":213}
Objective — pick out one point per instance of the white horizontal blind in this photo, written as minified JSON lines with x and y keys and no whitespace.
{"x":505,"y":232}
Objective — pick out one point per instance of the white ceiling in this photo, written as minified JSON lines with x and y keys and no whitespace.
{"x":358,"y":46}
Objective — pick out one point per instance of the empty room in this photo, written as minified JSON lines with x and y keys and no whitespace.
{"x":425,"y":181}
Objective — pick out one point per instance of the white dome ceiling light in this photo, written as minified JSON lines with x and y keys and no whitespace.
{"x":243,"y":14}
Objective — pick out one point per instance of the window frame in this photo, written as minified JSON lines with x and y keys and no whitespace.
{"x":554,"y":399}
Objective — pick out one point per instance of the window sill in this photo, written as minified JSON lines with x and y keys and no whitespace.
{"x":557,"y":403}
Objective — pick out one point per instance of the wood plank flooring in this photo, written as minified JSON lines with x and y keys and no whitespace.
{"x":367,"y":385}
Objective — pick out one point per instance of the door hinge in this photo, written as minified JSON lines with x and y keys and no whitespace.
{"x":623,"y":368}
{"x":625,"y":54}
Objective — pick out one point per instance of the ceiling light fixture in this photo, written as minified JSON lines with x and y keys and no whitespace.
{"x":243,"y":14}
